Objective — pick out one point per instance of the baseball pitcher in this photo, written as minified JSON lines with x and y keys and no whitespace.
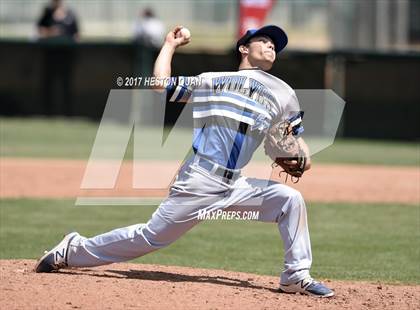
{"x":233,"y":113}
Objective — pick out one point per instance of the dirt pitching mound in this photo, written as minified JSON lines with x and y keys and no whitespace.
{"x":137,"y":286}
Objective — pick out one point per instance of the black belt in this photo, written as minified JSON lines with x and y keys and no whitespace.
{"x":222,"y":172}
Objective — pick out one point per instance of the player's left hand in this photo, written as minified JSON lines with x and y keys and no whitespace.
{"x":285,"y":149}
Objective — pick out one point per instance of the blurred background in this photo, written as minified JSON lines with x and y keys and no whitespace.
{"x":313,"y":25}
{"x":61,"y":58}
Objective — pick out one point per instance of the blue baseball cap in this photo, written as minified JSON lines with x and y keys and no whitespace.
{"x":275,"y":33}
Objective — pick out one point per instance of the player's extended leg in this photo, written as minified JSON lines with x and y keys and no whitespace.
{"x":192,"y":191}
{"x":168,"y":223}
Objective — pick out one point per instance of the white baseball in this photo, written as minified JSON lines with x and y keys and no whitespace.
{"x":185,"y":33}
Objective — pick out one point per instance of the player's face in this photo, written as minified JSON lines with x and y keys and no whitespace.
{"x":261,"y":52}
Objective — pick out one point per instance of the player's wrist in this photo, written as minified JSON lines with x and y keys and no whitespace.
{"x":169,"y":46}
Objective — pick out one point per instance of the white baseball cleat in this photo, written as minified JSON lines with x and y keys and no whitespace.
{"x":307,"y":286}
{"x":56,"y":258}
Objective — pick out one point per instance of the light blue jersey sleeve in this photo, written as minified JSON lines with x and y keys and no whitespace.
{"x":180,"y":88}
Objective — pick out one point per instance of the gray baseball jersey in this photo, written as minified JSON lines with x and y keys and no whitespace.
{"x":232,"y":112}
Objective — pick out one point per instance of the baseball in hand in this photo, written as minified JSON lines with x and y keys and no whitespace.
{"x":184,"y":32}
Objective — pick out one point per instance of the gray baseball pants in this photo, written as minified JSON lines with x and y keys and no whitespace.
{"x":198,"y":189}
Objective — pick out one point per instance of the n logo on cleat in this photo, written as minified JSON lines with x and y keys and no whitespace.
{"x":57,"y":253}
{"x":303,"y":284}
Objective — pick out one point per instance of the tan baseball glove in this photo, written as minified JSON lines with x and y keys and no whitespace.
{"x":282,"y":146}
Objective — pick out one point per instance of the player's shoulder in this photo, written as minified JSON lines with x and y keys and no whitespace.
{"x":279,"y":82}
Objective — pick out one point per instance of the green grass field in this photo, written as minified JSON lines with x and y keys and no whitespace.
{"x":349,"y":241}
{"x":64,"y":138}
{"x":357,"y":242}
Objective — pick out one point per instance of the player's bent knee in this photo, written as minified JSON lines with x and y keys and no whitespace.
{"x":295,"y":201}
{"x":285,"y":192}
{"x":296,"y":195}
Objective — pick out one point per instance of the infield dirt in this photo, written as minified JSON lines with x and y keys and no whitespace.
{"x":136,"y":286}
{"x":43,"y":178}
